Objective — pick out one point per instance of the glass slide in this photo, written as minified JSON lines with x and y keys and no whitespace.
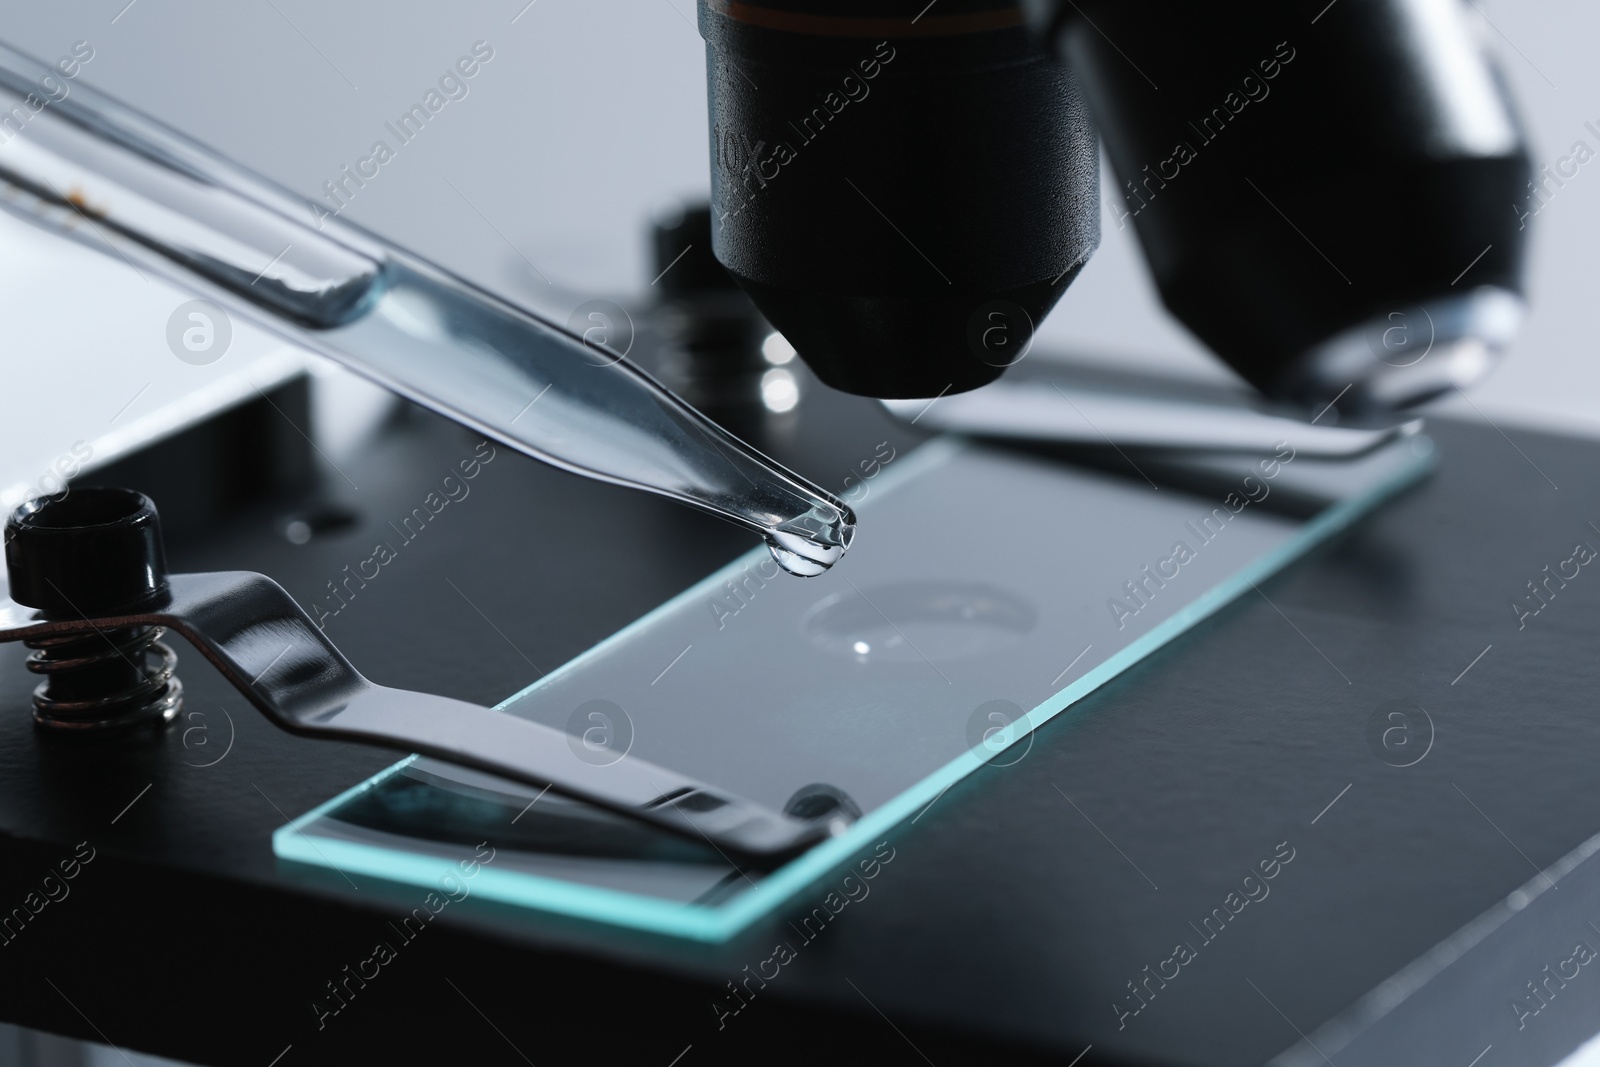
{"x":988,"y":590}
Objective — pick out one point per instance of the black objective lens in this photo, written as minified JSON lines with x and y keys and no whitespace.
{"x":1329,"y":196}
{"x":905,"y":190}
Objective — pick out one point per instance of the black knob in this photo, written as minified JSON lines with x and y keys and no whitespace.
{"x":711,"y":331}
{"x":684,"y":262}
{"x":92,"y":551}
{"x":84,"y":555}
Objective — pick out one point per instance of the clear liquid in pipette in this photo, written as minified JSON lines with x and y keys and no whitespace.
{"x":418,"y":330}
{"x":605,"y":419}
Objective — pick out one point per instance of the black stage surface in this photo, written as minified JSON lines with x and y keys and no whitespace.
{"x":1007,"y":927}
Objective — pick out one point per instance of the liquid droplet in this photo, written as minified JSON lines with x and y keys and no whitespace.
{"x":809,"y":544}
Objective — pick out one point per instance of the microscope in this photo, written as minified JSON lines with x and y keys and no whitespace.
{"x":1065,"y":722}
{"x":1321,"y":192}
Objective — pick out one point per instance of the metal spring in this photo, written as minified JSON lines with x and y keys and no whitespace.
{"x":86,"y":688}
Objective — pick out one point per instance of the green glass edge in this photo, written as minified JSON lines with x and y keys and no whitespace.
{"x":716,"y":924}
